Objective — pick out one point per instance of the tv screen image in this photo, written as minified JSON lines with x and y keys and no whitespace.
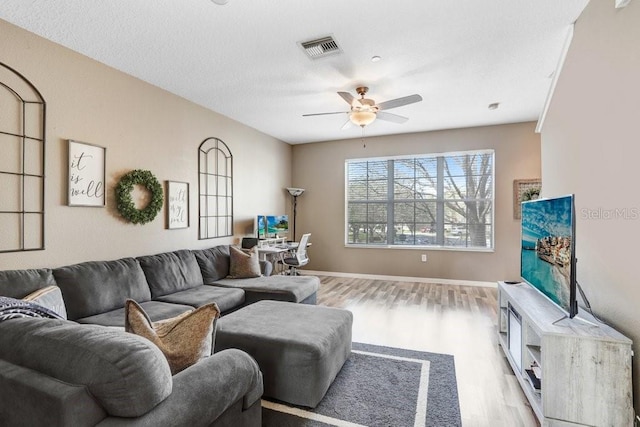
{"x":547,"y":256}
{"x":278,"y":224}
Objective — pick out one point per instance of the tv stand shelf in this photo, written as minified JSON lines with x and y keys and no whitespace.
{"x":584,"y":365}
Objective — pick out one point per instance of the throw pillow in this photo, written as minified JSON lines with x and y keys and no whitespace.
{"x":244,"y":264}
{"x":49,"y":297}
{"x":11,"y":308}
{"x":184,"y":339}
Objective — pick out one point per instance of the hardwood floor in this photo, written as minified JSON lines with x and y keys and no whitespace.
{"x":441,"y":318}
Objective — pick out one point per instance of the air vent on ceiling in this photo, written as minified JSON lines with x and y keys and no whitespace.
{"x":321,"y":47}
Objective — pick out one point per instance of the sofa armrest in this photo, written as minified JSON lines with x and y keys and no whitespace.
{"x":203,"y":392}
{"x":31,"y":398}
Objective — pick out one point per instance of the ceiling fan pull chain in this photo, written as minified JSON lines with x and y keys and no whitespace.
{"x":364,"y":144}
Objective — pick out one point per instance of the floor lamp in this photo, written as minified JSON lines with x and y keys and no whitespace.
{"x":295,"y":192}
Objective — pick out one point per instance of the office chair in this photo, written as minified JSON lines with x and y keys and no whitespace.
{"x":299,"y":258}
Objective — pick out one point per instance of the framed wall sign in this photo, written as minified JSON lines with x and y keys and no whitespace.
{"x":177,"y":205}
{"x":86,"y":174}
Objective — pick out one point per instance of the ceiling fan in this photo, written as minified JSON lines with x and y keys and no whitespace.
{"x":364,"y":111}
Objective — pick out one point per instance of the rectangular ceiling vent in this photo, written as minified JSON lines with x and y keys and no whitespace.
{"x":320,"y":48}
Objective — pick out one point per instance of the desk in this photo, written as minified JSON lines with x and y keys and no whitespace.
{"x":276,"y":252}
{"x":265,"y":252}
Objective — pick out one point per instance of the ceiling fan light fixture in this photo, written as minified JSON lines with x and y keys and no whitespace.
{"x":362,"y":118}
{"x":220,"y":2}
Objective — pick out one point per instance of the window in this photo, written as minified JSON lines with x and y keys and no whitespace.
{"x":441,"y":200}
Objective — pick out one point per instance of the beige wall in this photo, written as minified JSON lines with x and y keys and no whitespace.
{"x":319,"y":168}
{"x":142,"y":127}
{"x":590,"y":148}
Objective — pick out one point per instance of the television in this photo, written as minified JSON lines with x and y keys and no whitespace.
{"x":547,"y":255}
{"x":272,"y":226}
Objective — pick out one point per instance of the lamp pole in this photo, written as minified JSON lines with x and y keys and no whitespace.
{"x":295,"y":212}
{"x":295,"y":192}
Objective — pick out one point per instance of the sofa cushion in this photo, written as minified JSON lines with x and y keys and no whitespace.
{"x":49,"y":297}
{"x":18,"y":283}
{"x":226,"y":298}
{"x":156,"y":310}
{"x":213,"y":262}
{"x":99,"y":286}
{"x":171,"y":272}
{"x":282,"y":288}
{"x":184,"y":339}
{"x":126,"y":374}
{"x":243,"y":264}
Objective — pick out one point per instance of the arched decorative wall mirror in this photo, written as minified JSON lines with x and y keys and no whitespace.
{"x":22,"y":139}
{"x":215,"y":189}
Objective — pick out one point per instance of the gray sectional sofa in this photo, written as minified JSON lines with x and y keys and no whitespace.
{"x":78,"y":372}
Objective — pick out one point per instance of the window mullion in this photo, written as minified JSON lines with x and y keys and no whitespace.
{"x":391,"y":229}
{"x":440,"y":202}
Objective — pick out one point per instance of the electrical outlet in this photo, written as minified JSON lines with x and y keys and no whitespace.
{"x":424,"y":258}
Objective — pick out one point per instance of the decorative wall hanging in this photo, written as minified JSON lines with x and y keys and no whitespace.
{"x":524,"y":190}
{"x":215,"y":189}
{"x":125,"y":204}
{"x":177,"y":205}
{"x":86,"y":174}
{"x":22,"y":163}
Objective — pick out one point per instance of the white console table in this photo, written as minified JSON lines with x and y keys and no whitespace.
{"x":584,"y":365}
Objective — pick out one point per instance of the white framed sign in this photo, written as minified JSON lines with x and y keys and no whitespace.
{"x":177,"y":204}
{"x":86,"y":174}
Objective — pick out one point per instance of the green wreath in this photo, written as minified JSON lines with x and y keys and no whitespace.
{"x":125,"y":204}
{"x":531,"y":194}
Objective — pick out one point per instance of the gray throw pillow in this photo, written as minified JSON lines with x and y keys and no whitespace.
{"x":244,"y":264}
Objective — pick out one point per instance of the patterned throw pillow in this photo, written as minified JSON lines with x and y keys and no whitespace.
{"x":49,"y":297}
{"x":184,"y":339}
{"x":11,"y":308}
{"x":244,"y":264}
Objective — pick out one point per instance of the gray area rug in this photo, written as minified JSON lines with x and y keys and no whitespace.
{"x":380,"y":386}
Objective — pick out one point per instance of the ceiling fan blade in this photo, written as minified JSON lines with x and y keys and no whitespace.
{"x":389,"y":117}
{"x":347,"y":97}
{"x":399,"y":102}
{"x":324,"y":114}
{"x":347,"y":125}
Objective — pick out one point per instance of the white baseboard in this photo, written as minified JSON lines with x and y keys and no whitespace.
{"x":402,"y":278}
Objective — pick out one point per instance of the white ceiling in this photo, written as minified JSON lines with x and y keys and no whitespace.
{"x":243,"y":59}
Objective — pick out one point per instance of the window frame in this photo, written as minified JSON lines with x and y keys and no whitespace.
{"x":440,"y":203}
